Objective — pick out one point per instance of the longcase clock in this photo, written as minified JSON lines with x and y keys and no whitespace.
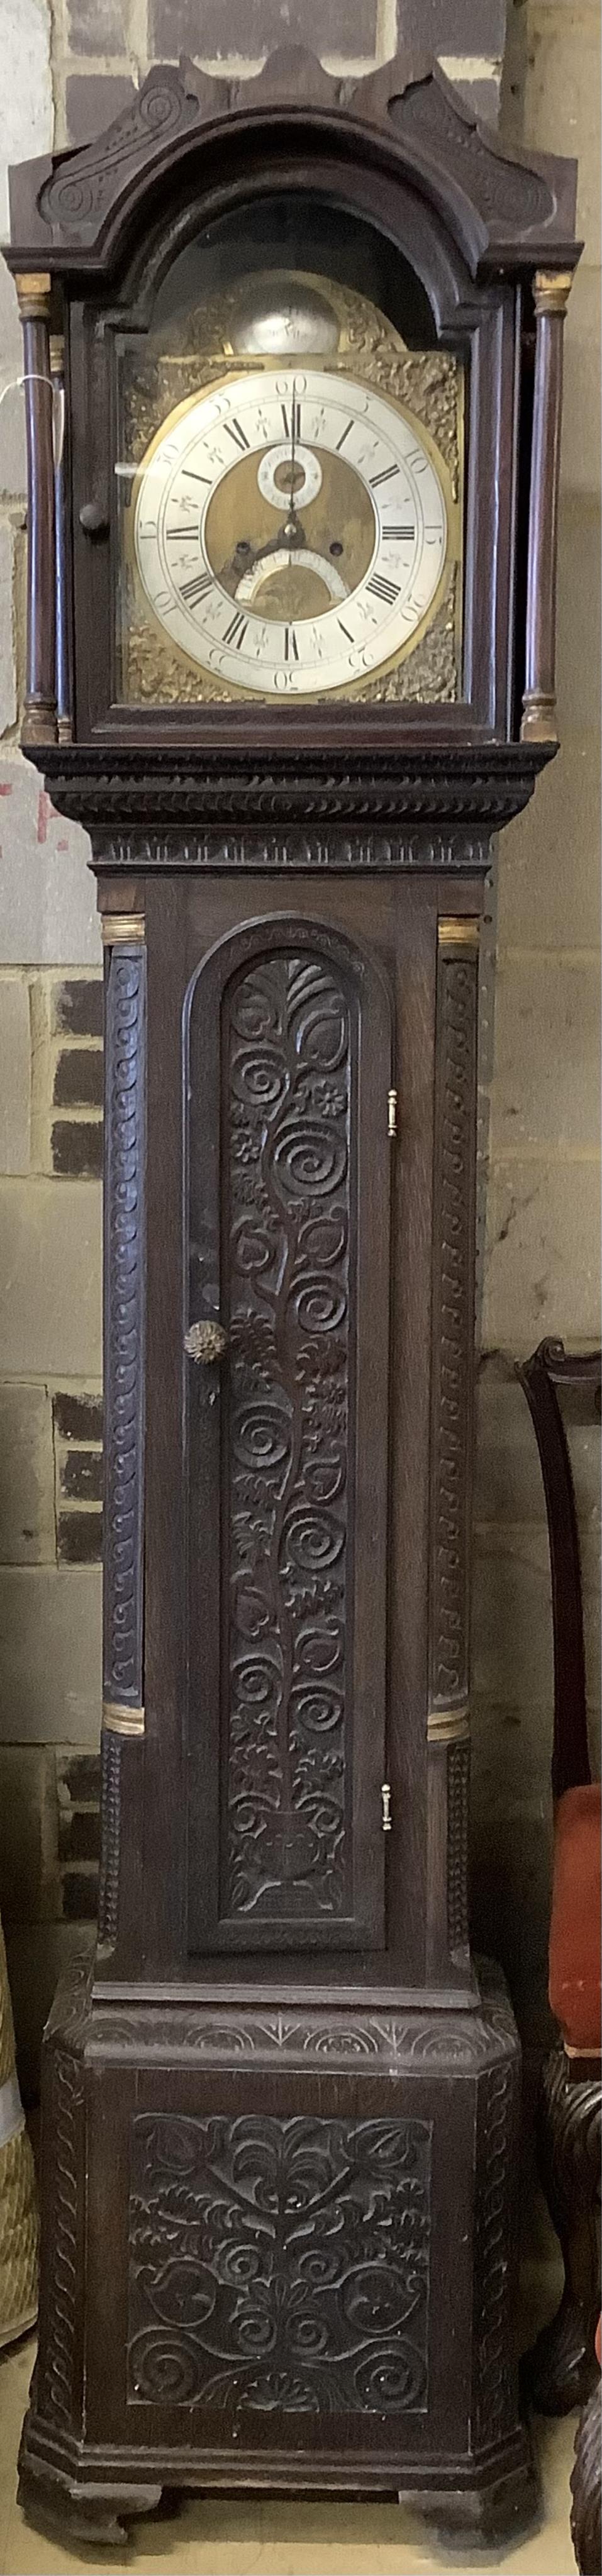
{"x":291,"y":663}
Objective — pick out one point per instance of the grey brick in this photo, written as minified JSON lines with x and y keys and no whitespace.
{"x":78,"y":1078}
{"x":29,"y":1882}
{"x":468,"y":27}
{"x":50,"y":1238}
{"x":79,"y":1834}
{"x":79,"y":1537}
{"x":77,"y":1006}
{"x":210,"y":29}
{"x":80,"y":1475}
{"x":97,"y":27}
{"x":77,"y":1148}
{"x":78,"y":1777}
{"x":27,"y":1531}
{"x":15,"y":1075}
{"x":92,"y":100}
{"x":50,"y":1654}
{"x":80,"y":1895}
{"x":77,"y":1417}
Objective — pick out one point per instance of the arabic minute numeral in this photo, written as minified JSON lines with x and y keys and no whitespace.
{"x":383,"y":589}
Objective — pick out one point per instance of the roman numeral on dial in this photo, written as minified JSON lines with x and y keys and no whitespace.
{"x":233,"y":430}
{"x":383,"y":589}
{"x":291,"y":420}
{"x":196,"y":589}
{"x":399,"y":536}
{"x":236,"y":631}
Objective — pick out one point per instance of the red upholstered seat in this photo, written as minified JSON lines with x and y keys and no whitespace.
{"x":575,"y":1930}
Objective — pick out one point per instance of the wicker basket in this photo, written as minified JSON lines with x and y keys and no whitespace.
{"x":18,"y":2195}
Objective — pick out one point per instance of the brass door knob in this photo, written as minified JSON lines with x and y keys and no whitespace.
{"x":205,"y":1342}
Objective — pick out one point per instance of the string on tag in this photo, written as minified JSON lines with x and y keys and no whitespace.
{"x":34,"y":376}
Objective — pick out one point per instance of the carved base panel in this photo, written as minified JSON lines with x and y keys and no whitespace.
{"x":295,"y":2262}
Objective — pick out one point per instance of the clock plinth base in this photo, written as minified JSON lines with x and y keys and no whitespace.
{"x":278,"y":2252}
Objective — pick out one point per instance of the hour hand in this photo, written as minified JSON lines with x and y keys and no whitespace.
{"x":246,"y":556}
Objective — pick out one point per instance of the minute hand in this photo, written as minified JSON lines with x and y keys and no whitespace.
{"x":293,"y":507}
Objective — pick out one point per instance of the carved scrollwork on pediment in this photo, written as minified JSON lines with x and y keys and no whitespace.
{"x":85,"y":181}
{"x":507,"y":194}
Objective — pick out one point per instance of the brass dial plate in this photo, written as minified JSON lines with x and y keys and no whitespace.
{"x":342,"y":567}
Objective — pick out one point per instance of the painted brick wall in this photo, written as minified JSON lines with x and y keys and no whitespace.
{"x":67,"y":68}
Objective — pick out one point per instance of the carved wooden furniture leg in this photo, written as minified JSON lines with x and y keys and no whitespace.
{"x":560,"y":2369}
{"x":586,"y":2486}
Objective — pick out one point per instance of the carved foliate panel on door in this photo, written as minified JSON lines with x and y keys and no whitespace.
{"x":287,"y":1039}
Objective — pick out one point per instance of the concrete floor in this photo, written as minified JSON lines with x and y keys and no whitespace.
{"x":252,"y":2537}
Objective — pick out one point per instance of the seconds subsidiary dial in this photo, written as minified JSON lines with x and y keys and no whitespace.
{"x":291,"y":531}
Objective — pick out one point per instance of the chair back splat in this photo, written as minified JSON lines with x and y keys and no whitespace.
{"x":548,"y":1374}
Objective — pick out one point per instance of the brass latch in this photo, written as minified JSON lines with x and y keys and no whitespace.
{"x":386,"y":1799}
{"x":392,"y":1112}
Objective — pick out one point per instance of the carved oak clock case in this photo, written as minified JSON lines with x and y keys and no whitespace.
{"x":293,"y":383}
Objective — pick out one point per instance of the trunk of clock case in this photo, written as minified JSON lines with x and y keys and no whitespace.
{"x":364,"y":1528}
{"x":280,"y":2193}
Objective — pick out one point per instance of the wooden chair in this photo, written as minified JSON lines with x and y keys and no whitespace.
{"x":562,"y":2369}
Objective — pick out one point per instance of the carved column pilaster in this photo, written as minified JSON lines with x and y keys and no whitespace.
{"x":63,"y":635}
{"x":39,"y":717}
{"x":494,"y":2403}
{"x":451,"y":1446}
{"x":124,"y":1398}
{"x":550,"y":296}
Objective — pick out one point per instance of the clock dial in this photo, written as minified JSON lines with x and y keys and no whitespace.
{"x":291,"y":531}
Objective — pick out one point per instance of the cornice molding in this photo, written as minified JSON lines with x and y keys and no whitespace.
{"x":305,"y":811}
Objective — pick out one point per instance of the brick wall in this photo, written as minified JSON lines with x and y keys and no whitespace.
{"x":67,"y":69}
